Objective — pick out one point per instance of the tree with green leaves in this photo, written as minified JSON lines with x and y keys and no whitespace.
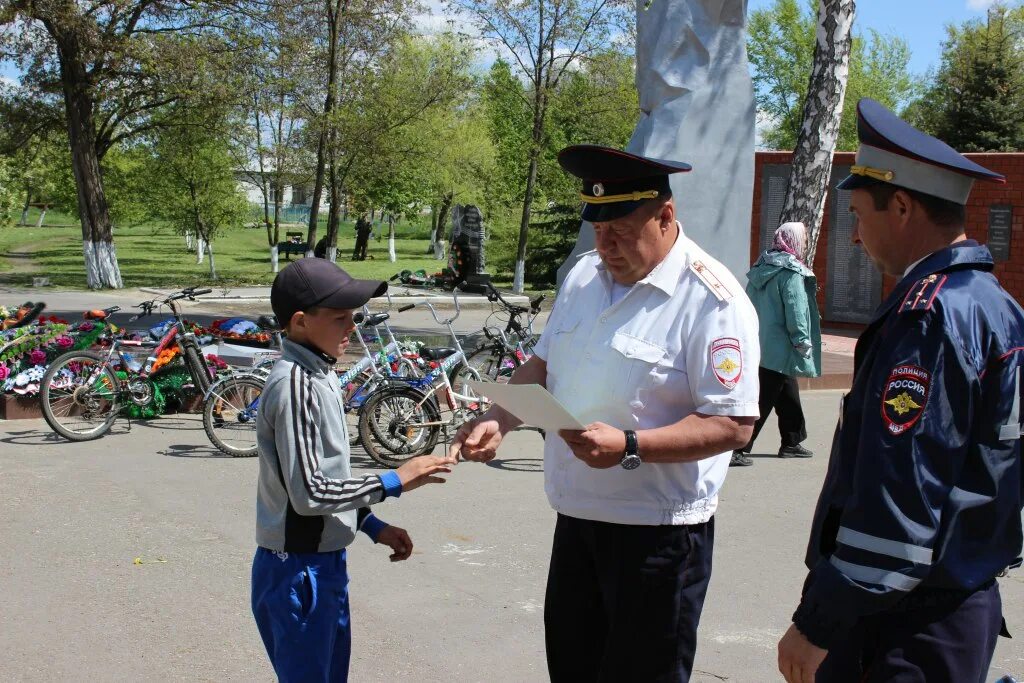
{"x":596,"y":103}
{"x":8,"y":192}
{"x":381,"y":140}
{"x":276,"y":65}
{"x":193,"y":183}
{"x":96,"y":68}
{"x":544,"y":39}
{"x":975,"y":101}
{"x":781,"y":45}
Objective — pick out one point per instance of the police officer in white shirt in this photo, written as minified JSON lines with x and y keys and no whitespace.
{"x":653,"y":345}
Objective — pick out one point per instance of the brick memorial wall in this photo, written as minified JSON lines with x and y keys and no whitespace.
{"x":849,"y":288}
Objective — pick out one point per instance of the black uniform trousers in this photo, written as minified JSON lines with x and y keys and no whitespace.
{"x":623,"y":601}
{"x":951,"y":639}
{"x":782,"y":393}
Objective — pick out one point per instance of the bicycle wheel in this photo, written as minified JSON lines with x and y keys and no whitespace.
{"x":389,"y":424}
{"x":198,"y":368}
{"x":229,"y":415}
{"x":79,"y":395}
{"x":493,"y":362}
{"x":356,"y":393}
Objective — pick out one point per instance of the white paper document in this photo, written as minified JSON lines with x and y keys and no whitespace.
{"x":531,"y":403}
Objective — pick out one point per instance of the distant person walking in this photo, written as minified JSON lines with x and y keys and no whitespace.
{"x":782,"y":289}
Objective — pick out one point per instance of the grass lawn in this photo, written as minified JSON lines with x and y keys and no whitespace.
{"x":154,"y":256}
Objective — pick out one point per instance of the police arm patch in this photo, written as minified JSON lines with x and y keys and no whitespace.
{"x":905,"y":396}
{"x":727,"y":361}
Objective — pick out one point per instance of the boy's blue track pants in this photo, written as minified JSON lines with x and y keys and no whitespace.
{"x":300,"y":601}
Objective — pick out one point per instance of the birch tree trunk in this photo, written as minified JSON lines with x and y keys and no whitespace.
{"x":823,"y":110}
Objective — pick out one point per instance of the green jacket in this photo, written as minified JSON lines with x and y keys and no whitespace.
{"x":782,"y":290}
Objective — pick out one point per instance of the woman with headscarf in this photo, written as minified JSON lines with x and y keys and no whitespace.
{"x":782,"y":289}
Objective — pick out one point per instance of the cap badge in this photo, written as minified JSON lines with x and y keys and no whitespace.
{"x":598,"y":190}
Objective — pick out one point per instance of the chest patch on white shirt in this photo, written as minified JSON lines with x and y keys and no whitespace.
{"x":727,"y":361}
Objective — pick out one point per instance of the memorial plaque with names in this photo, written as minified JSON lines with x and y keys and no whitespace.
{"x":854,"y":287}
{"x":774,"y":182}
{"x":1000,"y":221}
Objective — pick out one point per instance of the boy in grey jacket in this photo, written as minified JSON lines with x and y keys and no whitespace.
{"x":308,"y":504}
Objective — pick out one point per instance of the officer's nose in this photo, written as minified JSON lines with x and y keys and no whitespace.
{"x":855,"y":237}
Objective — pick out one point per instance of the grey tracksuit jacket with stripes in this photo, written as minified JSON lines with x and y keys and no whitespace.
{"x":307,"y":499}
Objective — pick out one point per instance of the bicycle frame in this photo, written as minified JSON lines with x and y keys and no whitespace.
{"x":455,"y":401}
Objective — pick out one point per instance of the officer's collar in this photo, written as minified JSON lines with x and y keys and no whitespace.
{"x":961,"y":255}
{"x":966,"y":253}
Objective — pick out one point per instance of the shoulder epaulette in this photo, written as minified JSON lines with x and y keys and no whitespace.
{"x":922,"y":295}
{"x":708,"y":277}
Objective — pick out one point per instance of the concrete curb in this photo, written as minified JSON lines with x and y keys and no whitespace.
{"x":406,"y":296}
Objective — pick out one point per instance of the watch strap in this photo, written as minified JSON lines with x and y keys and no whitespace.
{"x":631,"y":442}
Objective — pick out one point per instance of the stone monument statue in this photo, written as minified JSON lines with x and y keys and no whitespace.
{"x":697,"y":106}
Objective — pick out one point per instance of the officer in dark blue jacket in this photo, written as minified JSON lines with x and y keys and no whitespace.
{"x":921,"y":507}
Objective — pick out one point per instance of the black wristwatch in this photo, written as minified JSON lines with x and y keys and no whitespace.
{"x":630,"y":460}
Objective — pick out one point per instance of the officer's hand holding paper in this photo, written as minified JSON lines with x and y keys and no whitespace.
{"x":531,"y":403}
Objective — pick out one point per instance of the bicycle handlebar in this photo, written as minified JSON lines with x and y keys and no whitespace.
{"x":147,"y":307}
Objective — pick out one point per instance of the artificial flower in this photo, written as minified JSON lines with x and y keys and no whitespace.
{"x":37,"y":357}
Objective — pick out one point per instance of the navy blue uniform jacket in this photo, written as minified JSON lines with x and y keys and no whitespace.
{"x":924,"y":485}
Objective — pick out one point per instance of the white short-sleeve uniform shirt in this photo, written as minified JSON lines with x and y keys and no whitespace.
{"x":683,"y":340}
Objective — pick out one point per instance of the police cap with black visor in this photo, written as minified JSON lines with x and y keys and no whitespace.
{"x":616,"y":183}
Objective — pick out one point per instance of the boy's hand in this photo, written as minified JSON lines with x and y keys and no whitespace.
{"x":419,"y":471}
{"x":398,"y":540}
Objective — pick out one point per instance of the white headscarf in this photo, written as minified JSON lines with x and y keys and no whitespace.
{"x":792,"y":239}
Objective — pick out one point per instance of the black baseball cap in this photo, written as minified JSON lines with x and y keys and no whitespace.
{"x":318,"y":282}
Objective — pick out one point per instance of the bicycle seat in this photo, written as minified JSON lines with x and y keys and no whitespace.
{"x":268,"y":322}
{"x":436,"y":352}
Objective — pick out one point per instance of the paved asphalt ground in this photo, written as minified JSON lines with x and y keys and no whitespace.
{"x":466,"y":607}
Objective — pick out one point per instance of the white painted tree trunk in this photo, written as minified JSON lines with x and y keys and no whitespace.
{"x":101,"y":265}
{"x":200,"y":249}
{"x":213,"y":266}
{"x":274,"y":263}
{"x":24,"y":216}
{"x":189,"y":241}
{"x":823,"y":110}
{"x":519,"y":278}
{"x":392,"y":256}
{"x":42,"y":217}
{"x":439,"y":250}
{"x":332,"y":254}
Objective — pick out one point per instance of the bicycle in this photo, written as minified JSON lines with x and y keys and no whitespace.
{"x":505,"y":350}
{"x":231,"y":404}
{"x":374,"y":369}
{"x":402,"y":420}
{"x":83,"y":385}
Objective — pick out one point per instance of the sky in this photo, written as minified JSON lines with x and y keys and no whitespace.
{"x":921,"y":22}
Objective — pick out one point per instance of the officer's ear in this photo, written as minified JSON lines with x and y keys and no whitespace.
{"x":667,"y":215}
{"x":901,"y":205}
